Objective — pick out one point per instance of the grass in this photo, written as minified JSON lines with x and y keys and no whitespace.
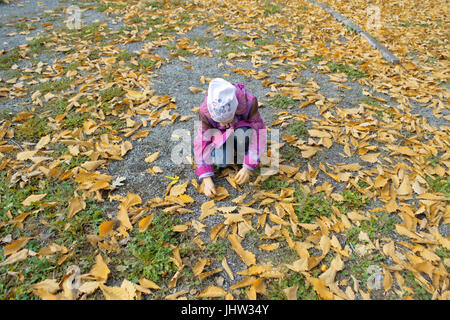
{"x":111,"y":93}
{"x":273,"y":184}
{"x":282,"y":102}
{"x":439,"y":184}
{"x":44,"y":221}
{"x":53,"y":86}
{"x":350,"y":71}
{"x":299,"y":128}
{"x":75,"y":120}
{"x":152,"y":250}
{"x":304,"y":292}
{"x":9,"y":58}
{"x":32,"y":129}
{"x":230,"y":45}
{"x":311,"y":206}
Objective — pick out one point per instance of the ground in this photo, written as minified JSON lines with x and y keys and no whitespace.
{"x":94,"y":205}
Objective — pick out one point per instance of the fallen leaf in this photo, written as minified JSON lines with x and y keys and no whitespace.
{"x":152,"y":157}
{"x":76,"y":204}
{"x":33,"y":198}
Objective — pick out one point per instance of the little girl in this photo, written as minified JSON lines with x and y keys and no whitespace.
{"x":229,"y":122}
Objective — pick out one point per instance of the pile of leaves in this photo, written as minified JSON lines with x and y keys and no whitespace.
{"x":373,"y":228}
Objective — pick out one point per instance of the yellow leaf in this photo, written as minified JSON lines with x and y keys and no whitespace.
{"x":319,"y":134}
{"x":46,"y":289}
{"x":309,"y":152}
{"x":387,"y":280}
{"x":26,"y":155}
{"x":145,"y":222}
{"x":33,"y":198}
{"x":152,"y":157}
{"x":16,"y":257}
{"x":227,"y":268}
{"x":269,"y":247}
{"x":89,"y":287}
{"x":106,"y":227}
{"x":212,"y":292}
{"x":291,"y":292}
{"x":208,"y":208}
{"x":135,"y":95}
{"x":100,"y":270}
{"x":115,"y":293}
{"x":76,"y":204}
{"x":130,"y":200}
{"x":124,"y":219}
{"x":221,"y":193}
{"x":15,"y":246}
{"x":180,"y":228}
{"x":92,"y":165}
{"x":186,"y":198}
{"x":196,"y":90}
{"x":141,"y":134}
{"x":42,"y":142}
{"x":321,"y":289}
{"x":370,"y":157}
{"x":148,"y":284}
{"x":247,"y":257}
{"x":177,"y":190}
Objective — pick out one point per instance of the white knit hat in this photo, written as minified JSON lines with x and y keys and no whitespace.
{"x":221,"y":101}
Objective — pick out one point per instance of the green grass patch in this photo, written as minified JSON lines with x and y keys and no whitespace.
{"x":305,"y":290}
{"x":439,"y":184}
{"x":350,"y":71}
{"x":32,"y":129}
{"x":9,"y":58}
{"x":229,"y":44}
{"x":152,"y":250}
{"x":273,"y":184}
{"x":75,"y":120}
{"x":282,"y":102}
{"x":53,"y":86}
{"x":317,"y":58}
{"x":111,"y":93}
{"x":299,"y":128}
{"x":311,"y":206}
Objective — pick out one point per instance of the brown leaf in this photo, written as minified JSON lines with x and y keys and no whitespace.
{"x":100,"y":270}
{"x":247,"y":257}
{"x":76,"y":204}
{"x":33,"y":198}
{"x":212,"y":292}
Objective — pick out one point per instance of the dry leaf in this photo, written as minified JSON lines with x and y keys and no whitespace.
{"x":33,"y":198}
{"x":212,"y":292}
{"x":247,"y":257}
{"x":100,"y":270}
{"x":76,"y":204}
{"x":152,"y":157}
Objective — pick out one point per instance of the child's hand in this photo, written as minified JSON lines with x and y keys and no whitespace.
{"x":242,"y":176}
{"x":208,"y":188}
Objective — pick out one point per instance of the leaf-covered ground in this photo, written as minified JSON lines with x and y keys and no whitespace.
{"x":93,"y":207}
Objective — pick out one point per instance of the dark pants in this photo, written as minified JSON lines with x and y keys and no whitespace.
{"x":234,"y":149}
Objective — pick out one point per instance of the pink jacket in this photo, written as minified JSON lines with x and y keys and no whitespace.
{"x":211,"y":134}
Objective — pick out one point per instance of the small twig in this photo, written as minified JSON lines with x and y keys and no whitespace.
{"x":11,"y":140}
